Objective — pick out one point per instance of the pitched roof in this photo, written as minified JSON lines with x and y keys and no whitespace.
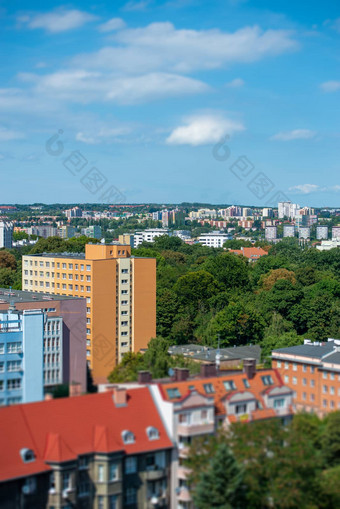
{"x":62,"y":429}
{"x":256,"y":387}
{"x":250,"y":252}
{"x":313,"y":351}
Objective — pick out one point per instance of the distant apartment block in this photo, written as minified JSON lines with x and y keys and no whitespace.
{"x":270,"y":233}
{"x":326,"y":245}
{"x":288,"y":209}
{"x":288,"y":230}
{"x":336,"y":233}
{"x":312,"y":371}
{"x":21,"y":356}
{"x":149,"y":235}
{"x":6,"y":234}
{"x":214,"y":239}
{"x":66,"y":232}
{"x":304,"y":232}
{"x":127,"y":238}
{"x":74,"y":212}
{"x":322,"y":232}
{"x":267,"y":212}
{"x":246,"y":212}
{"x":120,"y":293}
{"x":93,"y":231}
{"x":64,"y":343}
{"x":43,"y":231}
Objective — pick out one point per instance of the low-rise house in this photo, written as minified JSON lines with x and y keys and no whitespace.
{"x":101,"y":451}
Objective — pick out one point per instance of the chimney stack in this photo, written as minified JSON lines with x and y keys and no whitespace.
{"x":119,"y":396}
{"x":208,"y":370}
{"x":249,"y":367}
{"x":144,"y":377}
{"x":181,"y":374}
{"x":75,"y":389}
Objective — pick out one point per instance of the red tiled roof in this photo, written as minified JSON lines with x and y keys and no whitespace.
{"x":249,"y":252}
{"x":257,"y":387}
{"x":61,"y":429}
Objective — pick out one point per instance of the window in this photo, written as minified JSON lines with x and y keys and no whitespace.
{"x":113,"y":472}
{"x":124,"y":323}
{"x":312,"y":397}
{"x":124,"y":313}
{"x":229,"y":385}
{"x":13,"y":366}
{"x":88,"y":310}
{"x":124,"y":302}
{"x":279,"y":403}
{"x":113,"y":502}
{"x":83,"y":483}
{"x":2,"y":367}
{"x":286,"y":379}
{"x":88,"y":300}
{"x":66,"y":481}
{"x":70,"y":287}
{"x":128,"y":437}
{"x":131,"y":465}
{"x":294,"y":366}
{"x":324,"y":375}
{"x":88,"y":267}
{"x":125,"y":281}
{"x":52,"y":482}
{"x":312,"y":369}
{"x":294,"y":380}
{"x":14,"y":347}
{"x":267,"y":380}
{"x":2,"y":348}
{"x":124,"y":292}
{"x":125,"y":271}
{"x":88,"y":288}
{"x":153,"y":433}
{"x":70,"y":266}
{"x":83,"y":462}
{"x":173,"y":393}
{"x":331,"y":390}
{"x":241,"y":409}
{"x":312,"y":383}
{"x":286,"y":365}
{"x":304,"y":368}
{"x":324,"y":402}
{"x":304,"y":381}
{"x":124,"y":333}
{"x":304,"y":395}
{"x":88,"y":331}
{"x":331,"y":376}
{"x":63,"y":266}
{"x":100,"y":473}
{"x":209,"y":388}
{"x":70,"y":276}
{"x":324,"y":389}
{"x":278,"y":364}
{"x":131,"y":496}
{"x":81,"y":267}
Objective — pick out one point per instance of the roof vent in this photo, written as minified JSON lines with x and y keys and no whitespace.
{"x":128,"y":437}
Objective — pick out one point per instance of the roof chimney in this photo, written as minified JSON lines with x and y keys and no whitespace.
{"x":208,"y":370}
{"x":181,"y":374}
{"x":249,"y":367}
{"x":119,"y":396}
{"x":48,"y":396}
{"x":144,"y":377}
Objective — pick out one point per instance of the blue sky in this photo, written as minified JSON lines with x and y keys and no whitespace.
{"x":142,"y":91}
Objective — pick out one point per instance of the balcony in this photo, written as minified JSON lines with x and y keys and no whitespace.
{"x":183,"y":450}
{"x":183,"y":494}
{"x":183,"y":472}
{"x":186,"y":430}
{"x":155,"y":473}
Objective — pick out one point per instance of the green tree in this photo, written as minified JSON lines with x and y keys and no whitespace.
{"x":221,"y":485}
{"x":195,"y":287}
{"x":7,"y":260}
{"x":229,"y":269}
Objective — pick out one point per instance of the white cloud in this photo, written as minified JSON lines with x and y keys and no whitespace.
{"x":88,"y":86}
{"x":236,"y":83}
{"x":203,"y":129}
{"x":108,"y":135}
{"x":305,"y":188}
{"x":58,"y":20}
{"x":136,"y":6}
{"x":330,"y":86}
{"x":112,"y":25}
{"x":296,"y":134}
{"x":161,"y":46}
{"x":8,"y":134}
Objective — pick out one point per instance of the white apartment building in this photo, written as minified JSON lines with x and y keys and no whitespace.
{"x":322,"y":232}
{"x":271,"y":233}
{"x":288,"y":230}
{"x":214,"y":239}
{"x":304,"y":232}
{"x":6,"y":234}
{"x":288,"y":209}
{"x":267,"y":212}
{"x":148,"y":235}
{"x":335,"y":232}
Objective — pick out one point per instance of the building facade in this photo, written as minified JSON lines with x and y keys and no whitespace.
{"x":322,"y":232}
{"x":312,"y":371}
{"x":21,"y":356}
{"x":6,"y":234}
{"x":270,"y":233}
{"x":214,"y":239}
{"x":120,"y":293}
{"x":149,"y":235}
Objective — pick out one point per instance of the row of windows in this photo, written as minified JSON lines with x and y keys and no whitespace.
{"x":63,"y":265}
{"x":12,"y":384}
{"x":11,"y":366}
{"x":14,"y":347}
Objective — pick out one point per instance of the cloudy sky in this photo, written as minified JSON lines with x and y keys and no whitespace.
{"x":225,"y":101}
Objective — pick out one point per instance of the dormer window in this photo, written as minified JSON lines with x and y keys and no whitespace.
{"x":229,"y":385}
{"x":173,"y":393}
{"x":27,"y":455}
{"x":128,"y":437}
{"x":153,"y":433}
{"x":209,"y":388}
{"x":267,"y":380}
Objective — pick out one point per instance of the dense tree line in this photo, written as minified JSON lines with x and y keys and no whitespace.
{"x":265,"y":464}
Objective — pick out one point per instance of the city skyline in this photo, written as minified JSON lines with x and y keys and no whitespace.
{"x":148,"y":89}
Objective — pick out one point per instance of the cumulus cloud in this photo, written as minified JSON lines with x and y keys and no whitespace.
{"x":162,"y":46}
{"x":57,"y":21}
{"x":312,"y":188}
{"x":296,"y":134}
{"x":330,"y":86}
{"x":203,"y":129}
{"x":112,"y":25}
{"x":236,"y":83}
{"x":105,"y":134}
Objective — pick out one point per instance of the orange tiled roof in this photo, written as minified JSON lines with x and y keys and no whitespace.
{"x":256,"y":387}
{"x":250,"y":252}
{"x":61,"y":429}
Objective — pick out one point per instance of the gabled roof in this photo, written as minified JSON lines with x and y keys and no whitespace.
{"x":62,"y":429}
{"x":256,"y":387}
{"x":249,"y":252}
{"x":313,"y":351}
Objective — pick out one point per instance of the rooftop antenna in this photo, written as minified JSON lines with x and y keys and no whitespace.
{"x":218,"y":355}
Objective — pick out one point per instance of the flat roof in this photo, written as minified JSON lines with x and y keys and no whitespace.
{"x":8,"y":296}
